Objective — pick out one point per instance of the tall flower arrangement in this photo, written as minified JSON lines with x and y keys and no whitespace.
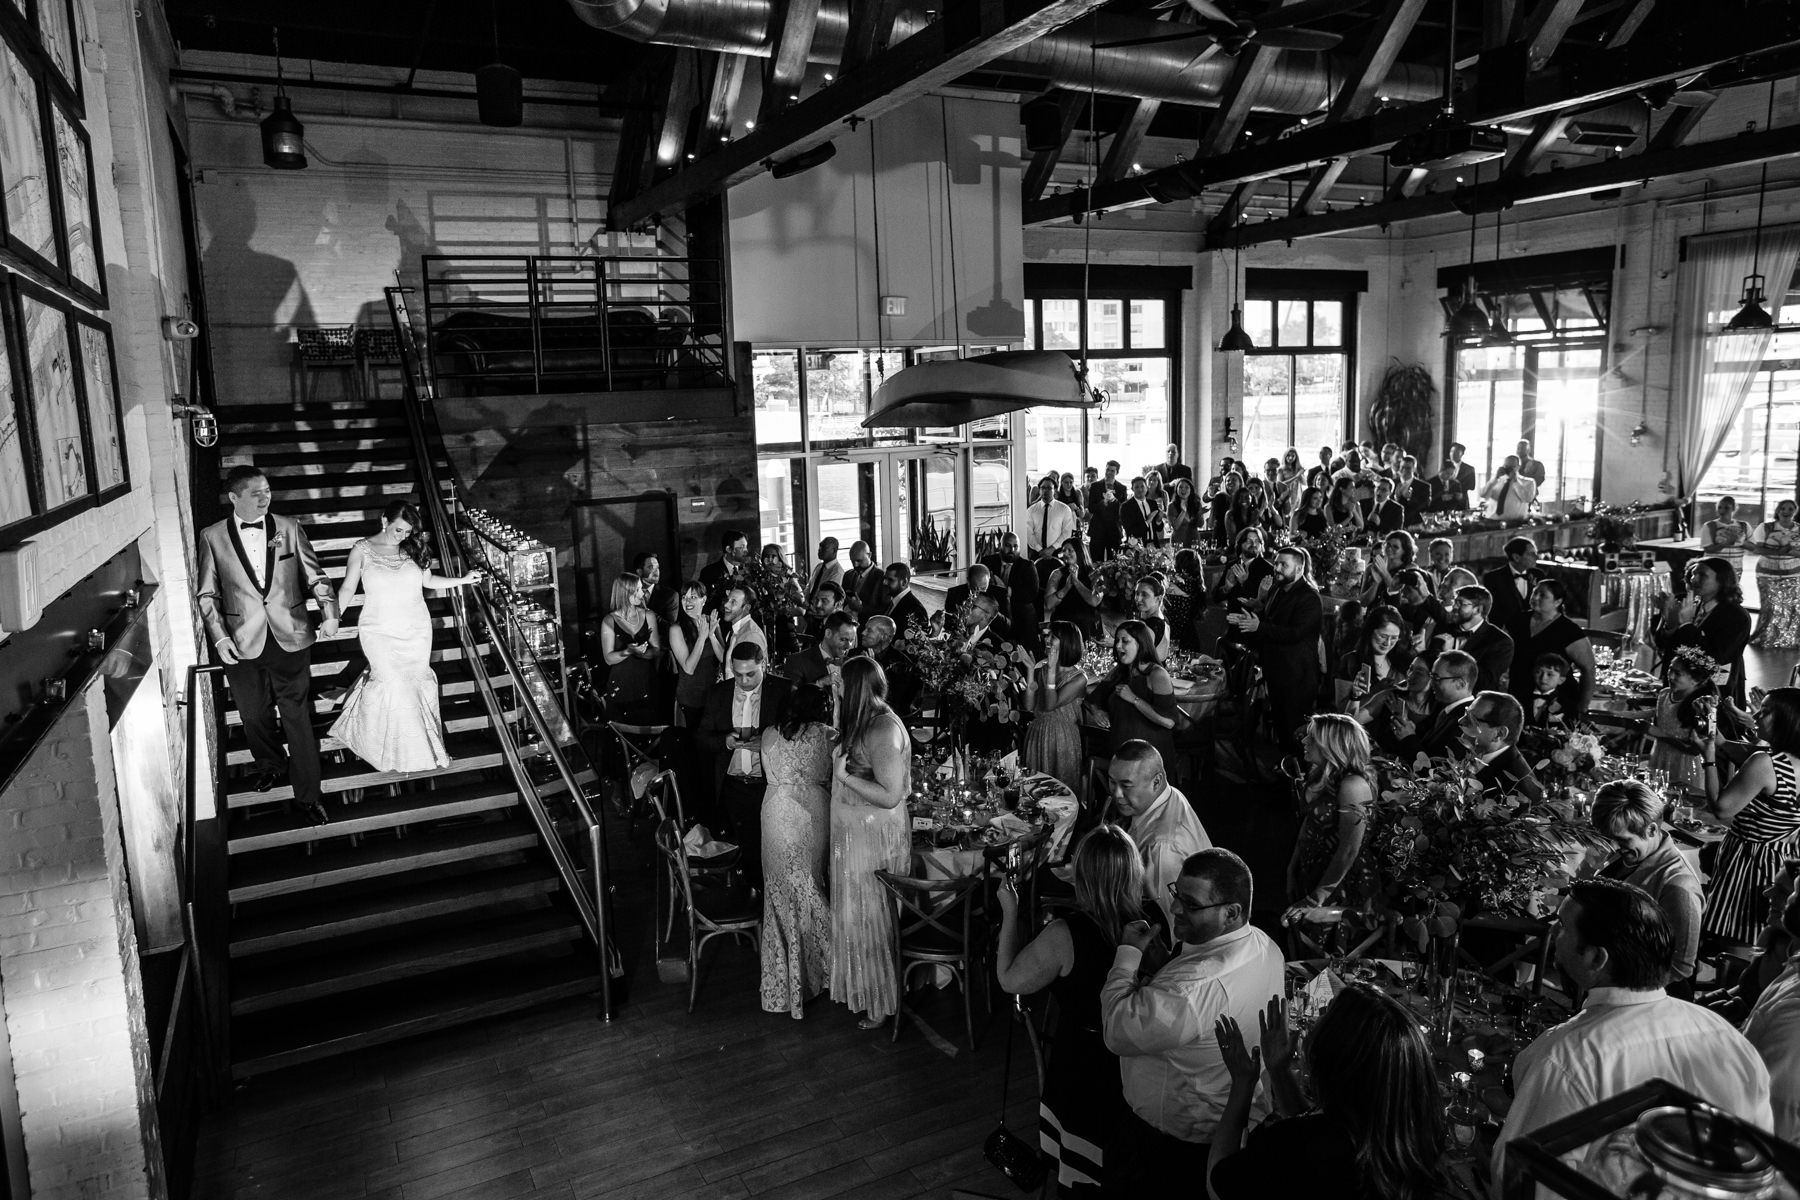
{"x":969,"y":683}
{"x":1118,"y":575}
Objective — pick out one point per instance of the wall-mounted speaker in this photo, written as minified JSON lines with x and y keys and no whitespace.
{"x":500,"y":95}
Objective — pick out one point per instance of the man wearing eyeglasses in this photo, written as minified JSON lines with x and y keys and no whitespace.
{"x":1453,"y":678}
{"x":1158,"y":817}
{"x":1162,"y":1029}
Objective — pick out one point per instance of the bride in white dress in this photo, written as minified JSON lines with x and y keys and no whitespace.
{"x":390,"y":718}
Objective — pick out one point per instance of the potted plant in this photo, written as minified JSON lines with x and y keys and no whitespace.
{"x":1402,"y":410}
{"x":932,"y":549}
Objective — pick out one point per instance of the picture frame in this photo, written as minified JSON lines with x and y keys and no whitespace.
{"x":98,"y":372}
{"x":55,"y":22}
{"x":28,"y":214}
{"x":78,"y":206}
{"x":18,"y":497}
{"x":61,"y":464}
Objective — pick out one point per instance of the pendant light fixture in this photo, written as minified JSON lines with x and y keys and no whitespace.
{"x":1753,"y":316}
{"x":1498,"y":335}
{"x":1470,"y":320}
{"x":1236,"y":339}
{"x":283,"y":137}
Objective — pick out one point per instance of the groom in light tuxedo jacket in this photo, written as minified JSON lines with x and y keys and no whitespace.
{"x":256,"y":571}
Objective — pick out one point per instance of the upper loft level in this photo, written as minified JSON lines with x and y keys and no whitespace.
{"x":495,"y":325}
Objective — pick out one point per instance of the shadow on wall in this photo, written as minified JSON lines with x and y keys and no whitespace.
{"x":250,"y":292}
{"x":416,"y":241}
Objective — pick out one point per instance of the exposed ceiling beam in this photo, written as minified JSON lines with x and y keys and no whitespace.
{"x":967,"y":35}
{"x":636,"y":93}
{"x":1373,"y":62}
{"x":722,"y":95}
{"x":1680,"y":123}
{"x":1407,"y":183}
{"x":1221,"y":133}
{"x":1745,"y":149}
{"x":1230,"y":212}
{"x":787,"y":65}
{"x":1497,"y":22}
{"x":1545,"y":132}
{"x":1069,"y":107}
{"x":1127,"y":140}
{"x":684,"y":89}
{"x":871,"y":28}
{"x":1572,"y":85}
{"x":1627,"y":27}
{"x":1545,"y":28}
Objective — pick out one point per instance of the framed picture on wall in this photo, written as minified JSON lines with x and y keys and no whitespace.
{"x":79,"y":204}
{"x":100,"y":399}
{"x":30,"y":217}
{"x":54,"y":398}
{"x":15,"y":481}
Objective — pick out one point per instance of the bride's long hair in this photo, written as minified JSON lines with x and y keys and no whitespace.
{"x":413,"y":544}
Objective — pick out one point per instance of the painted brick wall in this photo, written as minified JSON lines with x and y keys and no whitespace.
{"x":69,"y":967}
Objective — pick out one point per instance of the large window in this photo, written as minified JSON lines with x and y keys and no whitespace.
{"x":1297,"y":380}
{"x":1131,"y":345}
{"x":1758,"y":464}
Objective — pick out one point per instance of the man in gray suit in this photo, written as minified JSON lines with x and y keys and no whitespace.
{"x":256,"y":570}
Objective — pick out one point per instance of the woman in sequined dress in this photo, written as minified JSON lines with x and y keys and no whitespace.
{"x":871,"y":777}
{"x":1777,"y":546}
{"x":390,"y":718}
{"x":796,"y":932}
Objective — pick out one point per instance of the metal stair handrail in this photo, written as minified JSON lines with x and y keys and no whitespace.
{"x":591,"y":903}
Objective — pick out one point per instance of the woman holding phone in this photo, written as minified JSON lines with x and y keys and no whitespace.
{"x":1379,"y":661}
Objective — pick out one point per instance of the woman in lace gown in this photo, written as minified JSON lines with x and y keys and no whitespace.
{"x":1057,"y":686}
{"x":1777,"y":545}
{"x":390,"y":718}
{"x":871,"y":776}
{"x":796,"y":933}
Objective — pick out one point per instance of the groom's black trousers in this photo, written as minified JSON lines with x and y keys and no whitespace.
{"x":279,"y":679}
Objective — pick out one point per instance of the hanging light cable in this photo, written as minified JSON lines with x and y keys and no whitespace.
{"x":1498,"y":335}
{"x":1236,"y":339}
{"x":1753,"y":316}
{"x":1470,"y":321}
{"x":283,"y":137}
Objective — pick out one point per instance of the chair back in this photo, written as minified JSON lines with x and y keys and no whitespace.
{"x":664,"y":794}
{"x":323,"y":344}
{"x":675,"y":856}
{"x":640,"y":760}
{"x":935,"y":917}
{"x":1021,"y":859}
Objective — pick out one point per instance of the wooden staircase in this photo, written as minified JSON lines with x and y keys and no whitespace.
{"x":429,"y":900}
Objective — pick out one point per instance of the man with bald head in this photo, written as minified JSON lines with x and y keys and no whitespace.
{"x":1156,"y":814}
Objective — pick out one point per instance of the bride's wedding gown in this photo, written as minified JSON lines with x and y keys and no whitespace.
{"x":390,"y":718}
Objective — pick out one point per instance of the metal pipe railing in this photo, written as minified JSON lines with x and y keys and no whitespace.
{"x":590,"y":902}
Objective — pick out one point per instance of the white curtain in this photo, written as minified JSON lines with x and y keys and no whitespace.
{"x":1715,"y":368}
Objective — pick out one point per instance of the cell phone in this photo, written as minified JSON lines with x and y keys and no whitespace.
{"x":1364,"y":677}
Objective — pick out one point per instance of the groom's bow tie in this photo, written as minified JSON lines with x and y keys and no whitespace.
{"x":250,"y":524}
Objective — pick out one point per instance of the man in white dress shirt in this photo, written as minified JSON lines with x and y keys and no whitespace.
{"x":1614,"y":944}
{"x":1158,"y":816}
{"x":1048,"y":522}
{"x":1774,"y":1027}
{"x":1162,"y":1029}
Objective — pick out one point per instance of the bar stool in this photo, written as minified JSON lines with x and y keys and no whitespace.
{"x":325,"y":348}
{"x":377,"y":350}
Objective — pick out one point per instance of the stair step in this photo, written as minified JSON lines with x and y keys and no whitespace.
{"x":343,"y":1025}
{"x":326,"y":410}
{"x":250,"y":834}
{"x":339,"y":968}
{"x":298,"y":491}
{"x":446,"y":689}
{"x":291,"y":455}
{"x":410,"y":901}
{"x":288,"y":874}
{"x":471,"y":752}
{"x":372,"y":425}
{"x":310,"y":441}
{"x":465,"y":715}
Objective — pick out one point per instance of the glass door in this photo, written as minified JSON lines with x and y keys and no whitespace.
{"x":927,"y":504}
{"x":852,"y":502}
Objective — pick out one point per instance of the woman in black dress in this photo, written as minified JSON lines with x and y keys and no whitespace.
{"x":1343,"y":511}
{"x":1069,"y":595}
{"x":1083,"y":1100}
{"x":1139,"y":695}
{"x":1544,"y":628}
{"x":1713,"y":618}
{"x":631,"y":645}
{"x":1309,"y":516}
{"x":1377,"y":1132}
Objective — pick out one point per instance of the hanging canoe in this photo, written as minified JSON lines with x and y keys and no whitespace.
{"x":955,"y":391}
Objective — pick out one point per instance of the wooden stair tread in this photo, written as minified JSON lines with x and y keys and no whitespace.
{"x":342,"y":1025}
{"x":470,"y":752}
{"x":461,"y":714}
{"x":447,"y":688}
{"x":344,"y":966}
{"x":334,"y":917}
{"x":275,"y":875}
{"x":248,"y":834}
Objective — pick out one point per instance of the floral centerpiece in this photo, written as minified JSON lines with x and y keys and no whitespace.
{"x":1614,"y":528}
{"x":1325,"y":550}
{"x":967,"y":683}
{"x":1444,"y":849}
{"x":775,"y":598}
{"x":1564,"y":759}
{"x":1118,"y":575}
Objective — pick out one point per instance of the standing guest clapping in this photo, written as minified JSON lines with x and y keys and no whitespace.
{"x":1055,"y":689}
{"x":631,"y":644}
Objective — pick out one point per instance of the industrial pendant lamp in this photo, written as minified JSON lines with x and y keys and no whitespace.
{"x":1235,"y":338}
{"x":1498,"y":336}
{"x":1470,"y":321}
{"x":283,"y":137}
{"x":1753,"y":316}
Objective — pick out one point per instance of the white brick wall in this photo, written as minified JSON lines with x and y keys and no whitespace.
{"x":70,"y":973}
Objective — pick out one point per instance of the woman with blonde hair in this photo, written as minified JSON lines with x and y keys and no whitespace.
{"x":1328,"y":865}
{"x":871,"y":776}
{"x":1083,"y":1100}
{"x":630,"y":644}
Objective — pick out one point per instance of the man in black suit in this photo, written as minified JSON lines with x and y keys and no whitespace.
{"x":1023,"y":606}
{"x":1471,"y":632}
{"x":1463,"y":477}
{"x":904,"y":607}
{"x":1413,"y":493}
{"x":734,"y":552}
{"x":1135,"y":514}
{"x":1490,"y":732}
{"x":1173,"y":468}
{"x":980,"y":584}
{"x":737,"y":711}
{"x":1452,"y":690}
{"x":837,"y":639}
{"x":903,"y":678}
{"x":1105,"y":499}
{"x":1286,"y":637}
{"x":1511,"y":585}
{"x":1529,"y":467}
{"x":862,"y":582}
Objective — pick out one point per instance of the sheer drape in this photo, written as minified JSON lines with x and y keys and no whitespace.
{"x":1716,"y":368}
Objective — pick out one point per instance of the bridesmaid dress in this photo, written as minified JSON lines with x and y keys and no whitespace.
{"x":390,"y":718}
{"x":796,"y":933}
{"x":865,"y":838}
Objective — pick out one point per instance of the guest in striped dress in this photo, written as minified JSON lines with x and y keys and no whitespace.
{"x":1761,"y":808}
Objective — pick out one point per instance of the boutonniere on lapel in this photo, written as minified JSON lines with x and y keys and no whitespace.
{"x":279,"y":545}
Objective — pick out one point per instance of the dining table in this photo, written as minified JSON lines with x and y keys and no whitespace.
{"x":960,"y":836}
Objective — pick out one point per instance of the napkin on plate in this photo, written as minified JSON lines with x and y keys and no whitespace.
{"x":1011,"y":825}
{"x":1322,"y":990}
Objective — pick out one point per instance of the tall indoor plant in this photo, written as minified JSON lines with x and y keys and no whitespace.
{"x":1402,"y":412}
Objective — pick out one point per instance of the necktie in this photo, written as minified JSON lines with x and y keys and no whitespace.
{"x":1046,"y":544}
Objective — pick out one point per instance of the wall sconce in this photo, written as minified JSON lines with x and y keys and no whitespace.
{"x":1231,"y":437}
{"x":93,"y":641}
{"x":56,"y":689}
{"x":134,"y":596}
{"x":202,"y":424}
{"x":1639,"y":432}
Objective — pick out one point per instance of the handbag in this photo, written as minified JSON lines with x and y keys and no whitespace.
{"x":1012,"y":1155}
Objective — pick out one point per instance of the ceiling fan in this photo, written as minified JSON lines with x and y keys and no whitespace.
{"x":1279,"y":28}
